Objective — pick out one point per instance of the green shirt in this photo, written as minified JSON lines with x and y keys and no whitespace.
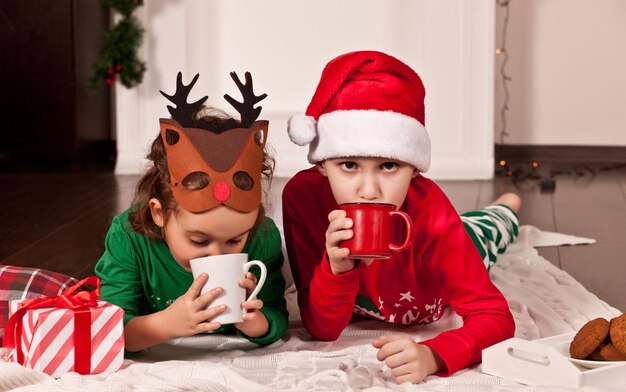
{"x":140,"y":275}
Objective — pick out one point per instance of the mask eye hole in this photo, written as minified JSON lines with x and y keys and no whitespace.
{"x":242,"y":180}
{"x":195,"y":181}
{"x":259,"y":137}
{"x":171,"y":137}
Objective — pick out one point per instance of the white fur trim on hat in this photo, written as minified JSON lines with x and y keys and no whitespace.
{"x":302,"y":129}
{"x":371,"y":133}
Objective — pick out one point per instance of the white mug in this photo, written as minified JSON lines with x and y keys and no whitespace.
{"x":226,"y":271}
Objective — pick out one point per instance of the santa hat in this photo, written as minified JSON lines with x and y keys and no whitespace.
{"x":367,"y":104}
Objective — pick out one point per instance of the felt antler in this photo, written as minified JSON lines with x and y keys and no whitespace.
{"x":246,"y":108}
{"x":184,"y":112}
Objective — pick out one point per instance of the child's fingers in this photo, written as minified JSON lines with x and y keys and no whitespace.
{"x":251,"y":276}
{"x":334,"y":214}
{"x":209,"y":313}
{"x":208,"y":326}
{"x":335,"y":238}
{"x":409,"y":377}
{"x":196,"y":287}
{"x":205,"y":299}
{"x":339,"y":224}
{"x":249,"y":282}
{"x":249,"y":316}
{"x":381,"y":340}
{"x":336,"y":253}
{"x":252,"y":304}
{"x":397,"y":360}
{"x":405,"y":372}
{"x":387,"y":345}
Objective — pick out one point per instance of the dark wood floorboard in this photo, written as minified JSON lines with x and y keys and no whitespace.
{"x":621,"y":174}
{"x":59,"y":221}
{"x":36,"y":205}
{"x":582,"y":203}
{"x":462,"y":194}
{"x":596,"y":208}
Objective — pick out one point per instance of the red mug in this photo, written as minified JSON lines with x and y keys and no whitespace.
{"x":373,"y":230}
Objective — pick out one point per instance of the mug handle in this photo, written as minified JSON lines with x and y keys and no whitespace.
{"x":261,"y":282}
{"x":409,"y":230}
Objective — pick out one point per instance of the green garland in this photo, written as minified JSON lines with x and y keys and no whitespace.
{"x":118,"y":56}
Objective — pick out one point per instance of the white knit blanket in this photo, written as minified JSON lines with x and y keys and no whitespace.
{"x":545,"y":301}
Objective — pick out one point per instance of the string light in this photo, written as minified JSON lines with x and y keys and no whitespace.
{"x":518,"y":175}
{"x":501,"y":51}
{"x":521,"y":175}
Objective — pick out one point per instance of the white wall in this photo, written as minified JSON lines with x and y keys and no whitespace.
{"x":285,"y":46}
{"x":566,"y":60}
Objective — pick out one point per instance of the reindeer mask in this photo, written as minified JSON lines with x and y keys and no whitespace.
{"x":213,"y":164}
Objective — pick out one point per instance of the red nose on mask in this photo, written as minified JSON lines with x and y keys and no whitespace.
{"x":221,"y":191}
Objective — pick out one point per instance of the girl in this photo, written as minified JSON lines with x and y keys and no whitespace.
{"x":200,"y":197}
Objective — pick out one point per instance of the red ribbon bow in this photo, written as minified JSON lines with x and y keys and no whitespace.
{"x":80,"y":302}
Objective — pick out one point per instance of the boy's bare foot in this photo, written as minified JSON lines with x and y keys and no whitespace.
{"x":511,"y":200}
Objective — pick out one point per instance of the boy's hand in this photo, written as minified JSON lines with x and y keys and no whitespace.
{"x":407,"y":359}
{"x":186,"y":316}
{"x":338,"y":230}
{"x":254,"y":323}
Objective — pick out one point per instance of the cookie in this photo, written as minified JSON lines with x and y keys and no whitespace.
{"x":588,"y":338}
{"x":618,"y":333}
{"x":607,"y":352}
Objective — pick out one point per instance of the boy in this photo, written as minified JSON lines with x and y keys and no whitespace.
{"x":366,"y":136}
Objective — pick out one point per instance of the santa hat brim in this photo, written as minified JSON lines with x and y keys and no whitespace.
{"x":371,"y":133}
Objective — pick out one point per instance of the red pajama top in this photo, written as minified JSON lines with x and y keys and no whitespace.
{"x":441,"y":267}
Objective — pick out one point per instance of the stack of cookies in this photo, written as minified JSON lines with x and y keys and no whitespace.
{"x":601,"y":340}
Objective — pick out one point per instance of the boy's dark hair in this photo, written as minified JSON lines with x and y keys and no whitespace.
{"x":155,"y":183}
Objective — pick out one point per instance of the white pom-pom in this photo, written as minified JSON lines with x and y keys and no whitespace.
{"x":302,"y":129}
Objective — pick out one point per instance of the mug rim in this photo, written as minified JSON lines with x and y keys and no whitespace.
{"x":222,"y":255}
{"x":366,"y":202}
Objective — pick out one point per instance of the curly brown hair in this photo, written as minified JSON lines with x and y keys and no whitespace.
{"x":155,"y":183}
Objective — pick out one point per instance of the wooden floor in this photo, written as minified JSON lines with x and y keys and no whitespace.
{"x":58,"y":221}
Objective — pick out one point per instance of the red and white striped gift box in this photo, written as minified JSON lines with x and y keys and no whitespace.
{"x":48,"y":339}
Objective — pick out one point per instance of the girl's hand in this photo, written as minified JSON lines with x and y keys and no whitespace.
{"x":407,"y":359}
{"x":338,"y":230}
{"x":254,"y":323}
{"x":187,"y":315}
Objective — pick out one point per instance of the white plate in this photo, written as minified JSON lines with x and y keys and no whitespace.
{"x":563,"y":348}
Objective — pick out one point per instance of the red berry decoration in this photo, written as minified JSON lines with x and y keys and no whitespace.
{"x":121,"y":44}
